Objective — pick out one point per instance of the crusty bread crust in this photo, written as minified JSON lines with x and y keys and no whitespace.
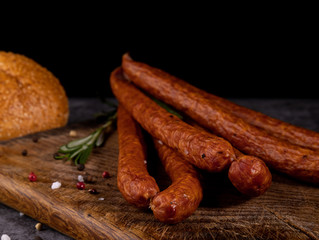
{"x":31,"y":97}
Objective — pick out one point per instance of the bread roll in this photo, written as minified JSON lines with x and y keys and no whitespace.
{"x":31,"y":97}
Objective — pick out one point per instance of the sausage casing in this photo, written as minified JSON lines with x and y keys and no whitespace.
{"x":284,"y":130}
{"x":203,"y":150}
{"x":184,"y":195}
{"x":133,"y":179}
{"x":291,"y":159}
{"x":249,"y":175}
{"x":291,"y":133}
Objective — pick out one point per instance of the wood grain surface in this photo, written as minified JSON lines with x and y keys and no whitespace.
{"x":288,"y":210}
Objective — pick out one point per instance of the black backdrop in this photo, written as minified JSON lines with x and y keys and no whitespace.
{"x":233,"y":61}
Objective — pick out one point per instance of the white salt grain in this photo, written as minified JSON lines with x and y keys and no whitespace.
{"x":80,"y":178}
{"x":101,"y":198}
{"x":21,"y":214}
{"x":56,"y":185}
{"x":5,"y":237}
{"x":160,"y":142}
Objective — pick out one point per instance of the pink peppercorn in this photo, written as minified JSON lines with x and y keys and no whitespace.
{"x":105,"y":174}
{"x":32,"y":177}
{"x":80,"y":185}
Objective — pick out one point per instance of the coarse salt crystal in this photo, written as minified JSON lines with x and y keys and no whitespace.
{"x":160,"y":142}
{"x":101,"y":198}
{"x":21,"y":214}
{"x":56,"y":185}
{"x":80,"y":178}
{"x":5,"y":237}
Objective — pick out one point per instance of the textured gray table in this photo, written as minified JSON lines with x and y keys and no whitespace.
{"x":301,"y":112}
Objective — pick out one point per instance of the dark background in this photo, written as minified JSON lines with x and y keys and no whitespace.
{"x":240,"y":57}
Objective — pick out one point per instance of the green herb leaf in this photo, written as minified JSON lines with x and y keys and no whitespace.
{"x":167,"y":108}
{"x":79,"y":150}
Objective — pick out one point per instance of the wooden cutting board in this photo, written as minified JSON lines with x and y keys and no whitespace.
{"x":288,"y":210}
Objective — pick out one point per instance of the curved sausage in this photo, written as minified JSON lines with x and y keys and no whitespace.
{"x":291,"y":159}
{"x":133,"y":179}
{"x":291,"y":133}
{"x":203,"y":150}
{"x":184,"y":195}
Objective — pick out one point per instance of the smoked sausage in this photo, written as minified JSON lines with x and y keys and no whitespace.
{"x":296,"y":161}
{"x":249,"y":174}
{"x":183,"y":196}
{"x":291,"y":133}
{"x":133,"y":179}
{"x":203,"y":150}
{"x":284,"y":130}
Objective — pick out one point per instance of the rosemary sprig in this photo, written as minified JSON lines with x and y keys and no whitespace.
{"x":80,"y":149}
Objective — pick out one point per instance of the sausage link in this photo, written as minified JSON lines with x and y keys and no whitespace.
{"x":183,"y":196}
{"x":133,"y":179}
{"x":284,"y":130}
{"x":291,"y":133}
{"x":203,"y":150}
{"x":249,"y":175}
{"x":291,"y":159}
